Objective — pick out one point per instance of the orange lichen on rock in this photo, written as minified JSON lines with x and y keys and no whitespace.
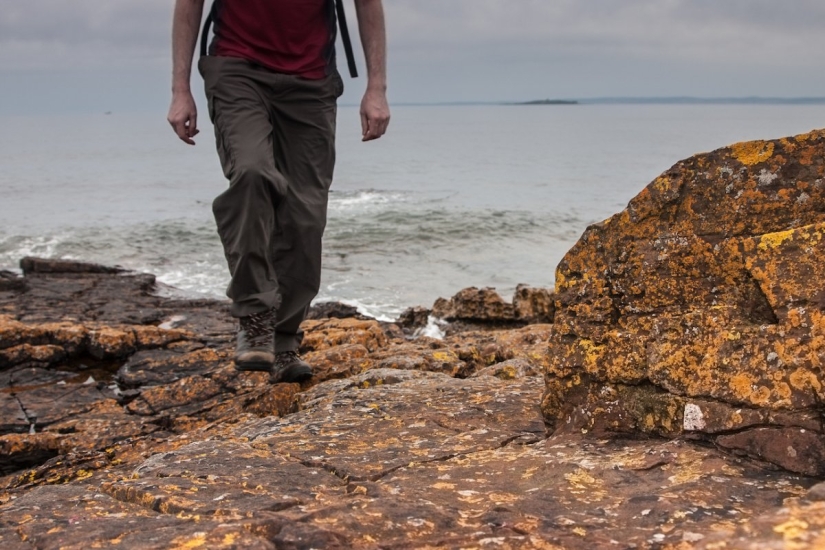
{"x":708,"y":286}
{"x":326,"y":333}
{"x":752,"y":152}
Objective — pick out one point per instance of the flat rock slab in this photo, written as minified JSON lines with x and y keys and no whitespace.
{"x":369,"y":427}
{"x":75,"y":517}
{"x":405,"y":459}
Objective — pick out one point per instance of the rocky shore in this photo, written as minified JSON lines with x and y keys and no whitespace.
{"x":668,"y":394}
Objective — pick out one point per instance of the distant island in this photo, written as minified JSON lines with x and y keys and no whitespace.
{"x":676,"y":100}
{"x":688,"y":100}
{"x":547,"y":102}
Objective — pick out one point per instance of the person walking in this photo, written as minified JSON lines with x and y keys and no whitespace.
{"x":272,"y":86}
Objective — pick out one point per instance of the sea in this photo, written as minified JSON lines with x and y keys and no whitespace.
{"x":453,"y":196}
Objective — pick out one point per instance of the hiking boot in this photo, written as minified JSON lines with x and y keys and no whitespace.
{"x":255,"y":350}
{"x":288,"y":367}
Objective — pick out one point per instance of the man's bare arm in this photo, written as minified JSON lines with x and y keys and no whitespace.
{"x":375,"y":111}
{"x":183,"y":114}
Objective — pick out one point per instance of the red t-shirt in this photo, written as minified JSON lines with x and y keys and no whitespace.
{"x":288,"y":36}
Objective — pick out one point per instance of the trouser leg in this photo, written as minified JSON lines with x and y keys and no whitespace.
{"x":246,"y":212}
{"x":276,"y":140}
{"x":304,"y":137}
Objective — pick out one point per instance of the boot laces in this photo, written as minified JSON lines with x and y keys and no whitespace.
{"x":259,"y":328}
{"x":286,"y":357}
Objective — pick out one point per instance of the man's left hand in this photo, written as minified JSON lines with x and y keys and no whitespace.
{"x":375,"y":115}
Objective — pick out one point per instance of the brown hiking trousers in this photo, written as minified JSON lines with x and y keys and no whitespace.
{"x":275,"y":135}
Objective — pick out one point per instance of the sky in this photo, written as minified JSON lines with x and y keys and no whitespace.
{"x":65,"y":56}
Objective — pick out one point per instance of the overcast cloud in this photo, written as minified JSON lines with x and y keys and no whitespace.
{"x":81,"y":54}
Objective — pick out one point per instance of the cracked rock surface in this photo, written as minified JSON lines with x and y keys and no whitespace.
{"x":395,"y":443}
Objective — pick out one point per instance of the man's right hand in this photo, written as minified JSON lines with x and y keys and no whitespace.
{"x":183,"y":116}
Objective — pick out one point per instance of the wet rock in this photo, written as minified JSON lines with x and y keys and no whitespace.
{"x":693,"y":311}
{"x":13,"y":417}
{"x":32,"y":376}
{"x":31,"y":265}
{"x":45,"y":405}
{"x":165,"y":366}
{"x":11,"y":282}
{"x":414,"y":318}
{"x":333,"y":310}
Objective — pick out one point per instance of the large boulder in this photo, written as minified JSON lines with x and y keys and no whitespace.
{"x":699,"y":310}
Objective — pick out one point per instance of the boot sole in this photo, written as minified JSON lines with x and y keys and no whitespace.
{"x":253,"y":366}
{"x":295,"y":373}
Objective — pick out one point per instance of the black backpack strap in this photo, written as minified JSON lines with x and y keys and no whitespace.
{"x":342,"y":24}
{"x":206,"y":26}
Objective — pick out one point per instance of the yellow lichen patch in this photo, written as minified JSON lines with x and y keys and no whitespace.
{"x":581,"y":482}
{"x":733,"y":471}
{"x":83,"y":474}
{"x":742,"y":386}
{"x":752,"y":152}
{"x":792,"y":529}
{"x":444,"y":356}
{"x":761,"y":396}
{"x":804,"y":380}
{"x":783,"y":391}
{"x":661,"y":184}
{"x":198,"y":540}
{"x":592,"y":354}
{"x":688,"y":472}
{"x":561,"y":280}
{"x":774,"y":240}
{"x":501,"y":498}
{"x":529,"y":472}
